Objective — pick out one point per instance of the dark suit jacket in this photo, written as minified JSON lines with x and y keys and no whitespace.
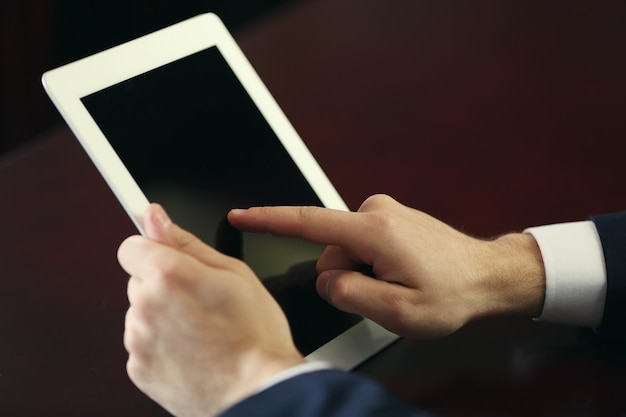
{"x":333,"y":393}
{"x":612,"y":231}
{"x":326,"y":393}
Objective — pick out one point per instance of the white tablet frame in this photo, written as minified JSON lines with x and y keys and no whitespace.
{"x":66,"y":86}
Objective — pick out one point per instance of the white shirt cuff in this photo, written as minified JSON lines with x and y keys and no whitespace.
{"x":575,"y":273}
{"x":294,"y":371}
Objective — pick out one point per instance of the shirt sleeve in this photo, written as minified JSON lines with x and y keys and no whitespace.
{"x":294,"y":371}
{"x":575,"y":273}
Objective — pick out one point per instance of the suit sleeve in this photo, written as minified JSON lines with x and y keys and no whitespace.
{"x":325,"y":393}
{"x":612,"y":231}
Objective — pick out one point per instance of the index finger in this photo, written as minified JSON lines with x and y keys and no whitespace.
{"x":315,"y":224}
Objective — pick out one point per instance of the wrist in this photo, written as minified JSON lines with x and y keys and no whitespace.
{"x":514,"y":278}
{"x":256,"y":370}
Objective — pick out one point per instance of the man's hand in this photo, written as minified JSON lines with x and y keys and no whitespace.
{"x":430,"y":279}
{"x":202,"y":332}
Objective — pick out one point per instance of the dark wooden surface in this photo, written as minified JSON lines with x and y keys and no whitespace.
{"x":492,"y":115}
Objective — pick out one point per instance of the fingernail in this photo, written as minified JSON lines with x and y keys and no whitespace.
{"x":161,"y":216}
{"x":323,"y":284}
{"x":237,"y":211}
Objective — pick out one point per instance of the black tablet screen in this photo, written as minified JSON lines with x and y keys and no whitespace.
{"x":195,"y":142}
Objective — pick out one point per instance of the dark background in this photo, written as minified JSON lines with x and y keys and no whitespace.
{"x":38,"y":35}
{"x":491,"y":115}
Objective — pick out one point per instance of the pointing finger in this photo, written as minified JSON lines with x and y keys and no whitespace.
{"x":316,"y":224}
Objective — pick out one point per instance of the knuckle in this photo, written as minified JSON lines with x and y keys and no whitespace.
{"x":132,"y":289}
{"x":133,"y":342}
{"x":375,"y":201}
{"x":398,"y":314}
{"x":136,"y":371}
{"x":130,"y":339}
{"x":305,"y":216}
{"x":234,"y":265}
{"x":141,"y":320}
{"x":140,"y":307}
{"x":305,"y":213}
{"x":383,"y":222}
{"x":263,"y":216}
{"x":134,"y":339}
{"x":165,"y":271}
{"x":183,"y":240}
{"x":340,"y":292}
{"x":265,"y":210}
{"x":320,"y":264}
{"x":400,"y":309}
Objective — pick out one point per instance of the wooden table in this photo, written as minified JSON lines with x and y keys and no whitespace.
{"x":490,"y":115}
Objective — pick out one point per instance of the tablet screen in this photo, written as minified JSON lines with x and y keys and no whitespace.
{"x":195,"y":142}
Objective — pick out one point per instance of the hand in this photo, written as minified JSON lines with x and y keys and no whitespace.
{"x":202,"y":332}
{"x":430,"y":279}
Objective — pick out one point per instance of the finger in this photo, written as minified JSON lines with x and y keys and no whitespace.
{"x":158,"y":267}
{"x":155,"y":223}
{"x":316,"y":224}
{"x":378,"y":202}
{"x":137,"y":336}
{"x":335,"y":257}
{"x":131,"y":254}
{"x":140,"y":257}
{"x":383,"y":302}
{"x":160,"y":228}
{"x":133,"y":288}
{"x":148,"y":300}
{"x":130,"y":333}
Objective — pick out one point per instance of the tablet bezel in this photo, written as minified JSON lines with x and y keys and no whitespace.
{"x":66,"y":86}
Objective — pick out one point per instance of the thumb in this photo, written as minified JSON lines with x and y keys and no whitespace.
{"x":354,"y":292}
{"x":159,"y":227}
{"x":155,"y":224}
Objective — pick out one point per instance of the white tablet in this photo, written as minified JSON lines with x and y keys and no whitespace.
{"x":180,"y":117}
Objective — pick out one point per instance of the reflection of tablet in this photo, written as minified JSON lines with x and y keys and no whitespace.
{"x":180,"y":117}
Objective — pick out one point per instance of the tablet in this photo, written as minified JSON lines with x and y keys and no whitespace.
{"x":180,"y":117}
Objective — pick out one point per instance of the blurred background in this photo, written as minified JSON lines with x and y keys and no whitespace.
{"x":38,"y":35}
{"x":492,"y":115}
{"x":516,"y":105}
